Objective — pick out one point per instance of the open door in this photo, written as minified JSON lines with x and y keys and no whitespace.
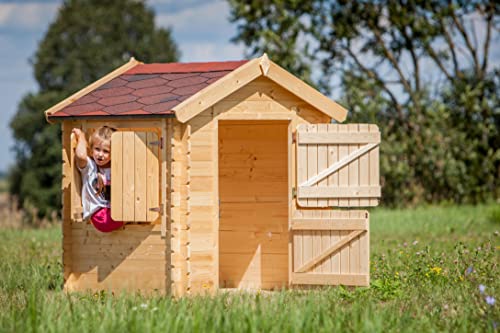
{"x":331,"y":250}
{"x":337,"y":166}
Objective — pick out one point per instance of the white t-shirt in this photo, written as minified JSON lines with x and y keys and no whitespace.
{"x":92,"y":201}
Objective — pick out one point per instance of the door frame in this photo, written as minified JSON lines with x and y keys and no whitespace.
{"x":291,"y":178}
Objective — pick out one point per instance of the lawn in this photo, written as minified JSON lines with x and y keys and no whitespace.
{"x":432,"y":269}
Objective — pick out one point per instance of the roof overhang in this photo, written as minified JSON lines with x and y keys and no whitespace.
{"x":61,"y":105}
{"x":248,"y":72}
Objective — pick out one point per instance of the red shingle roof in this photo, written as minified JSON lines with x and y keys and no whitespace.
{"x":148,"y":89}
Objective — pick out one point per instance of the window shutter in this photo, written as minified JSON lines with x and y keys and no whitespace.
{"x":331,"y":250}
{"x":135,"y":176}
{"x":76,"y":185}
{"x":338,"y":165}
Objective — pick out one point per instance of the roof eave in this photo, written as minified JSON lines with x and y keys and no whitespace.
{"x":64,"y":103}
{"x":111,"y":117}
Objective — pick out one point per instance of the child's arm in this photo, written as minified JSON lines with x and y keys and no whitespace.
{"x":81,"y":148}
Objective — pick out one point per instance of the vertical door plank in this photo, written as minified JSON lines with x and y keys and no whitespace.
{"x":353,"y":166}
{"x":312,"y":163}
{"x":333,"y":156}
{"x":344,"y":171}
{"x":354,"y":249}
{"x":374,"y":166}
{"x":301,"y":161}
{"x":364,"y":169}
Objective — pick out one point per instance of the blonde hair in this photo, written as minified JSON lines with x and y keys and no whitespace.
{"x":103,"y":133}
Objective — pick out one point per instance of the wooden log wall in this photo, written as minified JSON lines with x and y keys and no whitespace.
{"x":135,"y":258}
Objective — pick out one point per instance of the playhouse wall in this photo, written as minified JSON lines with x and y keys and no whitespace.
{"x":133,"y":258}
{"x":261,"y":99}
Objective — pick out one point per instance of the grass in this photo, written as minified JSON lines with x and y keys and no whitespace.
{"x":426,"y":268}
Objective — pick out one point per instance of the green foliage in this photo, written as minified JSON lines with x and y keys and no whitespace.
{"x":427,"y":266}
{"x":415,"y":69}
{"x":87,"y":40}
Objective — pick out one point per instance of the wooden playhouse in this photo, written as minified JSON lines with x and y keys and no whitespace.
{"x":227,"y":174}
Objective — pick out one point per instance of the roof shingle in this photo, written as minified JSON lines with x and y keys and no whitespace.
{"x":148,"y":89}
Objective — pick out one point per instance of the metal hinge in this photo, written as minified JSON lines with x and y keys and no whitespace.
{"x":294,"y":192}
{"x":157,"y":209}
{"x":157,"y":143}
{"x":294,"y":137}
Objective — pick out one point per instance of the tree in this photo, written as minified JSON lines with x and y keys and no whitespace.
{"x":88,"y":39}
{"x":420,"y":69}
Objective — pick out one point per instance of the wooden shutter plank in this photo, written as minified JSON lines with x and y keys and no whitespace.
{"x":117,"y":176}
{"x":140,"y":172}
{"x":362,"y":137}
{"x":128,"y":176}
{"x":374,"y":166}
{"x":345,"y":240}
{"x":153,"y":189}
{"x":338,"y":192}
{"x":331,"y":279}
{"x":76,"y":184}
{"x":329,"y":224}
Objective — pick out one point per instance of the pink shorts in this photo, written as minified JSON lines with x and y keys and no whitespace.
{"x":103,"y":222}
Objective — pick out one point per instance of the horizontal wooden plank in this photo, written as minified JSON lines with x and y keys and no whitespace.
{"x":326,"y":224}
{"x":248,"y":242}
{"x":339,"y":192}
{"x":337,"y":138}
{"x":331,"y":279}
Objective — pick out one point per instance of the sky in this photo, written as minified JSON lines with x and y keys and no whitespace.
{"x":200,"y":28}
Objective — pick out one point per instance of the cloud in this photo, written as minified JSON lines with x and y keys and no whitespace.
{"x":200,"y":21}
{"x":27,"y":16}
{"x":210,"y":51}
{"x":202,"y":30}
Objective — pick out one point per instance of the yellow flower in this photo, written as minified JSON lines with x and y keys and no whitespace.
{"x":436,"y":270}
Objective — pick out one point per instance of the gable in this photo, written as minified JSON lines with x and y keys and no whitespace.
{"x":259,"y":67}
{"x":263,"y":98}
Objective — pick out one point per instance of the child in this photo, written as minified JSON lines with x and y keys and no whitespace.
{"x":96,"y":177}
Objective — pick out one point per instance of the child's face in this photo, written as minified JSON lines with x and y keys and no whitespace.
{"x":101,"y":152}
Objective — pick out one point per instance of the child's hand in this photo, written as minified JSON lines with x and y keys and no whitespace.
{"x":77,"y":132}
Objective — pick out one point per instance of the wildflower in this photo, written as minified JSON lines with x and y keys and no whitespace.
{"x":414,"y":243}
{"x":469,"y":270}
{"x":405,"y":244}
{"x":490,"y":300}
{"x":134,"y":308}
{"x":436,"y":270}
{"x":482,"y":288}
{"x":144,"y":305}
{"x":154,"y":309}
